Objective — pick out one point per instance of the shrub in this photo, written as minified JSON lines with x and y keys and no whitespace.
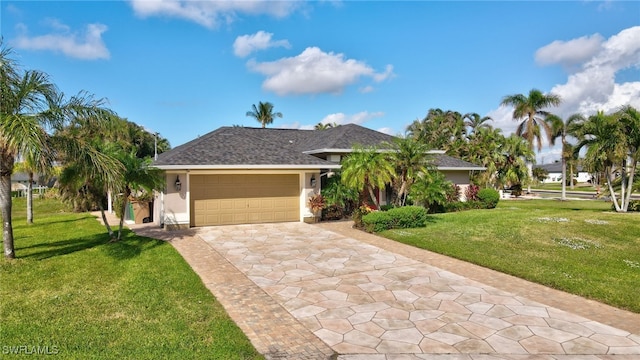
{"x":453,"y":193}
{"x":386,"y":207}
{"x":332,"y":212}
{"x":489,"y":197}
{"x":396,"y":218}
{"x":464,"y":205}
{"x":358,"y":214}
{"x":471,"y":193}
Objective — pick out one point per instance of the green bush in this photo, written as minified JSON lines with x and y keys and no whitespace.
{"x":386,"y":207}
{"x":396,"y":218}
{"x":489,"y":197}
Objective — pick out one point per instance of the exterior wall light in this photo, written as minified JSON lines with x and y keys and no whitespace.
{"x":313,"y":181}
{"x":178,"y":184}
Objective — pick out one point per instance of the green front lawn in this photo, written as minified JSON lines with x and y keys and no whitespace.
{"x":72,"y":293}
{"x":576,"y":246}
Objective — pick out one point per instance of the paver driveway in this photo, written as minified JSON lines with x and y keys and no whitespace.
{"x":360,"y":299}
{"x":301,"y":291}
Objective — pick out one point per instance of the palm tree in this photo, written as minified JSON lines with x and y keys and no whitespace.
{"x":514,"y":153}
{"x":21,"y":130}
{"x":485,"y":149}
{"x":561,"y":129}
{"x":30,"y":165}
{"x":321,"y":126}
{"x":367,"y":168}
{"x":410,"y":159}
{"x":530,"y":109}
{"x":613,"y":143}
{"x":263,"y":113}
{"x":475,"y":121}
{"x":138,"y":176}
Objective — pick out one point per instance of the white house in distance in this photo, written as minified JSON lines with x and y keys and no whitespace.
{"x":555,"y":173}
{"x":243,"y":175}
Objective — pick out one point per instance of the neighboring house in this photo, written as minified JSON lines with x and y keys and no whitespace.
{"x":19,"y":182}
{"x":240,"y":175}
{"x":554,"y":171}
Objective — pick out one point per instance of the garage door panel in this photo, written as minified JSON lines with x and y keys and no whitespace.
{"x":241,"y":199}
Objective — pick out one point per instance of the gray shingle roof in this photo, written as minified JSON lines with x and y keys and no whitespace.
{"x":237,"y":146}
{"x":242,"y":146}
{"x":556,"y":167}
{"x":443,"y":161}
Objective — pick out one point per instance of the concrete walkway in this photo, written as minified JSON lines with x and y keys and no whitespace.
{"x":304,"y":291}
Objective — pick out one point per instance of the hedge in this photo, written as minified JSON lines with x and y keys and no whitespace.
{"x":396,"y":218}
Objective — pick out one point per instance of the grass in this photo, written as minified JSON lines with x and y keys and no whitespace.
{"x":577,"y":246}
{"x":72,"y":293}
{"x":558,"y":186}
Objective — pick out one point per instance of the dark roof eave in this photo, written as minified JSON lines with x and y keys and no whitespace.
{"x":250,"y":167}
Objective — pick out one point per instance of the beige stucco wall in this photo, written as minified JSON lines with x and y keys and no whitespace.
{"x":460,"y":178}
{"x":175,"y":207}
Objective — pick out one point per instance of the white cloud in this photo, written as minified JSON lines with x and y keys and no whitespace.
{"x":570,"y":52}
{"x":366,"y":89}
{"x":594,"y":86}
{"x":591,"y":86}
{"x":211,"y":13}
{"x":87,"y":44}
{"x":314,"y":71}
{"x":387,"y":130}
{"x":246,"y":44}
{"x":358,"y":118}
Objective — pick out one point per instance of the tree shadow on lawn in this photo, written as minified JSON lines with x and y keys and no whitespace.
{"x":130,"y":246}
{"x":47,"y":250}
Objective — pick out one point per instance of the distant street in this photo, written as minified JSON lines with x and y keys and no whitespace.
{"x":591,"y":195}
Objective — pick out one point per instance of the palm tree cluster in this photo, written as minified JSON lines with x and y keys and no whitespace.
{"x":94,"y":150}
{"x":471,"y":137}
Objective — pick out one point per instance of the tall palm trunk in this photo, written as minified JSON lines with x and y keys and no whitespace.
{"x":5,"y":204}
{"x":30,"y":199}
{"x":104,"y":219}
{"x":563,"y":197}
{"x":373,"y":197}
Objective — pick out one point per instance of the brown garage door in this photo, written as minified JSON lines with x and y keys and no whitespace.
{"x":244,"y":199}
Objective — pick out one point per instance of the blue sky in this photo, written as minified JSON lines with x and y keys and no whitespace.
{"x":184,"y":68}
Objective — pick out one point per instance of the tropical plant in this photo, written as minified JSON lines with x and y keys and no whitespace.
{"x":431,"y":191}
{"x":410,"y":159}
{"x":316,"y":203}
{"x":444,"y":130}
{"x":531,"y":111}
{"x":339,"y":198}
{"x":512,"y":167}
{"x":26,"y":95}
{"x":474,"y":121}
{"x":367,"y":168}
{"x":562,"y":129}
{"x":325,"y":126}
{"x":613,"y":147}
{"x":263,"y":113}
{"x":31,"y":166}
{"x":539,"y":174}
{"x":138,"y":176}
